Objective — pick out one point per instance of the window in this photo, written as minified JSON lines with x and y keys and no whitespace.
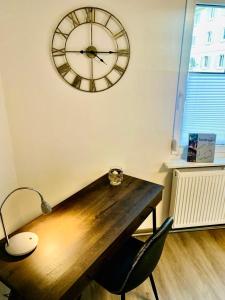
{"x":204,"y":108}
{"x":221,"y":60}
{"x":201,"y":93}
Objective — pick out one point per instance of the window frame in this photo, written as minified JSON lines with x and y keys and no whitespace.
{"x":176,"y":148}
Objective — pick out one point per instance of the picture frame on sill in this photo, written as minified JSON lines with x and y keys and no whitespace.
{"x":201,"y":147}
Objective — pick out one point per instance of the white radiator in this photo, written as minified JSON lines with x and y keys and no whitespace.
{"x":198,"y":197}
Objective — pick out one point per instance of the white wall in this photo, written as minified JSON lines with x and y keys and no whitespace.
{"x":8,"y":180}
{"x":64,"y":138}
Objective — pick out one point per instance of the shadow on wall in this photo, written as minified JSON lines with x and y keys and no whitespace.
{"x":167,"y":190}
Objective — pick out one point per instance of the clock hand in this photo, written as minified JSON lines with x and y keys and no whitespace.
{"x":91,"y":30}
{"x":107,"y":52}
{"x":92,"y":70}
{"x":100,"y":58}
{"x":91,"y":52}
{"x":77,"y":51}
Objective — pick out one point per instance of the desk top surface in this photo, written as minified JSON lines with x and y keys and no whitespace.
{"x":77,"y":235}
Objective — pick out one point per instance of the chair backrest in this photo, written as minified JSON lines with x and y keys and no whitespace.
{"x":147,"y":257}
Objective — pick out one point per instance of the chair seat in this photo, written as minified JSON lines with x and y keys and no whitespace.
{"x":114,"y":271}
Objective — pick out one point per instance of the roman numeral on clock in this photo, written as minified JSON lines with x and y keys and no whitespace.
{"x":123,"y":52}
{"x":65,"y":35}
{"x":73,"y":17}
{"x":107,"y":21}
{"x":77,"y":81}
{"x":64,"y":69}
{"x":90,"y":15}
{"x":108,"y":82}
{"x":92,"y":87}
{"x":58,"y":52}
{"x":119,"y":69}
{"x":119,"y":34}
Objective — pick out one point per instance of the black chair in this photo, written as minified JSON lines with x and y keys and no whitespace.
{"x":133,"y":263}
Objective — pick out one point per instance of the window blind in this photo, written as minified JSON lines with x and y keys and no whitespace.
{"x":204,"y":107}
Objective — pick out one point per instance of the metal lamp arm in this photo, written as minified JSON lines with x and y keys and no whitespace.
{"x":4,"y":230}
{"x":1,"y":216}
{"x":21,"y":188}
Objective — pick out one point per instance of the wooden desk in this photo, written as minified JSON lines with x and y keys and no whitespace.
{"x":75,"y":238}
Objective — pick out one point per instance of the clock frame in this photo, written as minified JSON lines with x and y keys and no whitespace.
{"x":90,"y":49}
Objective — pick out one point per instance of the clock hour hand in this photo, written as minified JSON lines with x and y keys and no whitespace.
{"x":89,"y":52}
{"x":100,"y":59}
{"x":94,"y":53}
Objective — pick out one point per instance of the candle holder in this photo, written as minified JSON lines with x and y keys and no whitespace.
{"x":115,"y":176}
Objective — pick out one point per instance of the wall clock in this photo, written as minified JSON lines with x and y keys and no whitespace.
{"x":90,"y":49}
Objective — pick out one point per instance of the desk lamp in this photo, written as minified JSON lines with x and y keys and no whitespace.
{"x":24,"y":242}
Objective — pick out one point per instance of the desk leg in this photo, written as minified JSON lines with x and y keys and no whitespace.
{"x":154,"y":219}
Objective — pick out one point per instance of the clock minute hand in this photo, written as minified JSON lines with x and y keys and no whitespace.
{"x":76,"y":51}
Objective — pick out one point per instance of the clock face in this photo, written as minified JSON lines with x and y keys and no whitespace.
{"x":90,"y":49}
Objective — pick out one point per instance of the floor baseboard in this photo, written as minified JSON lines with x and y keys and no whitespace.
{"x":149,"y":231}
{"x":199,"y":228}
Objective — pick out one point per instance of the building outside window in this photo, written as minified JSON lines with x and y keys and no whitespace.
{"x":208,"y":36}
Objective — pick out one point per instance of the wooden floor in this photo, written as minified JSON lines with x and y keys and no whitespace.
{"x":192,"y":267}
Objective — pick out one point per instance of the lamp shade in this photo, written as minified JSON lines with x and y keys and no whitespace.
{"x":45,"y":207}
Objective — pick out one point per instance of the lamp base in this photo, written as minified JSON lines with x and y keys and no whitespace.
{"x":22,"y":243}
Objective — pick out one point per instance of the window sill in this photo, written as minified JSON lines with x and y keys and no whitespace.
{"x":181,"y":164}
